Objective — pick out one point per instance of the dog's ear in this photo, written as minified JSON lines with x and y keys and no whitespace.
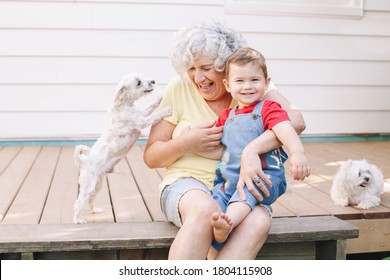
{"x":120,"y":95}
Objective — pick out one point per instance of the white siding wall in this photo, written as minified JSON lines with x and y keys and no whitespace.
{"x":60,"y":60}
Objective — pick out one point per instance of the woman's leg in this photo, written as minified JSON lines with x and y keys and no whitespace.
{"x":194,"y":237}
{"x":246,"y":240}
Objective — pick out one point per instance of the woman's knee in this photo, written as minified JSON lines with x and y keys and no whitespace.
{"x":198,"y":205}
{"x":259,"y":221}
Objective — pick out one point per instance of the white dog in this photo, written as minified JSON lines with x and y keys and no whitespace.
{"x":357,"y":182}
{"x":123,"y":127}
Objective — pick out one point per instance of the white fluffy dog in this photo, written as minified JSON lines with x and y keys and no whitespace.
{"x":124,"y":123}
{"x":359,"y":183}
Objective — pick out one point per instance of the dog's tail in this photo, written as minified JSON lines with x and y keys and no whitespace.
{"x":80,"y":153}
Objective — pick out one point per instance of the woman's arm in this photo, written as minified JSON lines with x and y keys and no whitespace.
{"x":294,"y":114}
{"x":161,"y":150}
{"x":213,"y":154}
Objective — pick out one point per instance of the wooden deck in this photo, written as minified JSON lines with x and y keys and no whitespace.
{"x":38,"y":185}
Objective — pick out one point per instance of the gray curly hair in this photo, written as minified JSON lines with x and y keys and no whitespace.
{"x":212,"y":38}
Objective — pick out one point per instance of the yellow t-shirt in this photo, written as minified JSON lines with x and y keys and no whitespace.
{"x":189,"y":109}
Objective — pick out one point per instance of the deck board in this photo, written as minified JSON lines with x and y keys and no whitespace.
{"x":6,"y":156}
{"x":35,"y":188}
{"x":124,"y":192}
{"x":63,"y":191}
{"x":38,"y":185}
{"x":323,"y":201}
{"x":147,"y":182}
{"x":13,"y":177}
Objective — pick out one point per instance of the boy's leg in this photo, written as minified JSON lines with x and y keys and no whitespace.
{"x":248,"y":237}
{"x":224,"y":223}
{"x":219,"y":221}
{"x":222,"y":226}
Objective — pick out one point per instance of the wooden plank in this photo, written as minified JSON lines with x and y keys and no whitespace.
{"x":44,"y":125}
{"x":377,"y":212}
{"x":7,"y":154}
{"x":87,"y":43}
{"x":13,"y":177}
{"x":298,"y":205}
{"x":106,"y":236}
{"x":279,"y":211}
{"x":102,"y":200}
{"x":28,"y":204}
{"x":55,"y":15}
{"x":325,"y":96}
{"x":112,"y":16}
{"x":374,"y":236}
{"x":303,"y":229}
{"x":79,"y":70}
{"x":161,"y":171}
{"x":331,"y":250}
{"x":93,"y":74}
{"x":99,"y":236}
{"x":288,"y":251}
{"x":63,"y":191}
{"x":377,"y":154}
{"x":127,"y":201}
{"x":323,"y":201}
{"x":147,"y":180}
{"x":385,"y":199}
{"x":84,"y":43}
{"x":325,"y":158}
{"x":77,"y":255}
{"x":348,"y":122}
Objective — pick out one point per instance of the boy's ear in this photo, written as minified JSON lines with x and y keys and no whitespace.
{"x":226,"y":84}
{"x":267,"y":81}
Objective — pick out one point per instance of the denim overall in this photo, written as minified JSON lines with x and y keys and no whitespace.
{"x":239,"y":131}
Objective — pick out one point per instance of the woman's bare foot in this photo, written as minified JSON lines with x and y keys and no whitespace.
{"x":222,"y":226}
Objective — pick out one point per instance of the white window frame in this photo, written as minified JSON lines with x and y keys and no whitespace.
{"x":313,"y":8}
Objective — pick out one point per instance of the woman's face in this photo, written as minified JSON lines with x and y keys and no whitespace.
{"x":208,"y":81}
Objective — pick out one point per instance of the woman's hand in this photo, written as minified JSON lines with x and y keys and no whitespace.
{"x":203,"y":137}
{"x":250,"y":170}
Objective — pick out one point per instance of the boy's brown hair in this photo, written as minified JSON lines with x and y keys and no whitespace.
{"x":244,"y":56}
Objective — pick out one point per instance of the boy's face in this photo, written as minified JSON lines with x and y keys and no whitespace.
{"x":246,"y":84}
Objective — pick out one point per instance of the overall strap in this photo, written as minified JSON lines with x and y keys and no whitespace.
{"x":232,"y":112}
{"x":258,"y":108}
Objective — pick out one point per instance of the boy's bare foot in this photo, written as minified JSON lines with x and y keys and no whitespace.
{"x":222,"y":226}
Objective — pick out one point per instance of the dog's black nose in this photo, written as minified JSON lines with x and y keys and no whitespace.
{"x":366,"y":179}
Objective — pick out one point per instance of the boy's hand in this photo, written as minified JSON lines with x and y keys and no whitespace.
{"x":299,"y":166}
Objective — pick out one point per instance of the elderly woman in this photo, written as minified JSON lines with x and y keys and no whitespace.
{"x":197,"y":98}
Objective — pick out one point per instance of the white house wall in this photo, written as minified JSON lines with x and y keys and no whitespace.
{"x":60,"y":61}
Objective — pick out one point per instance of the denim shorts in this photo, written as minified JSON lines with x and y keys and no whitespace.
{"x":172,"y":194}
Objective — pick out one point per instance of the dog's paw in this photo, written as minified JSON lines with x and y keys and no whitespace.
{"x":79,"y":221}
{"x":159,"y":98}
{"x":167,"y":112}
{"x":341,"y":202}
{"x":367,"y":204}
